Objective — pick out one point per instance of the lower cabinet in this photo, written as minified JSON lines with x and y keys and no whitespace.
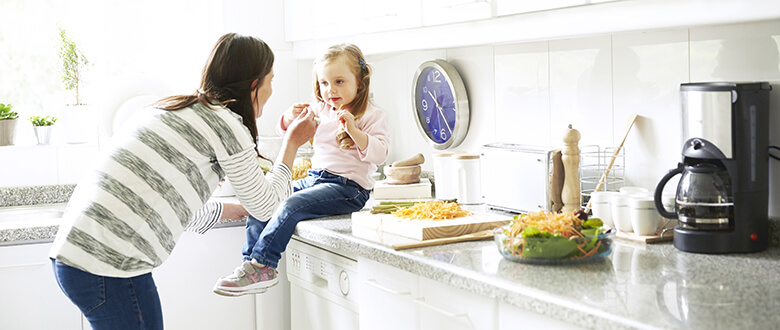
{"x":185,"y":282}
{"x":29,"y":295}
{"x":391,"y":298}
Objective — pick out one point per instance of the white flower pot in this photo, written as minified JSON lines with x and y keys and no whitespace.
{"x":43,"y":134}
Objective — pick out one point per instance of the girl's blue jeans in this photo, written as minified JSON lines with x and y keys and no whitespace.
{"x":319,"y":194}
{"x":111,"y":302}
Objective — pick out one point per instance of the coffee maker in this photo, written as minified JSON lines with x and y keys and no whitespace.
{"x":722,"y":197}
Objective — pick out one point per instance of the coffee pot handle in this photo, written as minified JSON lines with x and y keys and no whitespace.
{"x":660,"y":189}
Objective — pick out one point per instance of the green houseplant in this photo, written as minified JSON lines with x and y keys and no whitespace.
{"x":8,"y":119}
{"x":42,"y":126}
{"x":73,"y":64}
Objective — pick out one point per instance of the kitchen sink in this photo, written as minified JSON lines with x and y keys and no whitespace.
{"x":31,"y":212}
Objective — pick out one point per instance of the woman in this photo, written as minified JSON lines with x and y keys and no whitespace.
{"x":125,"y":217}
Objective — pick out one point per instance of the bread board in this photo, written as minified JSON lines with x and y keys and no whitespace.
{"x":383,"y":190}
{"x":429,"y":229}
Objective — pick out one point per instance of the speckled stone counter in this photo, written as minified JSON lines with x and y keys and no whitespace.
{"x":652,"y":286}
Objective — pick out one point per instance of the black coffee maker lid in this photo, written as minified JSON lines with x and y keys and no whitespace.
{"x":724,"y":86}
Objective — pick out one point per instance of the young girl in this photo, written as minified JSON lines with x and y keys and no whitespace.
{"x":350,"y":141}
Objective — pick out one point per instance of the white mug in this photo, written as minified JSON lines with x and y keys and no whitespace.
{"x":600,"y":206}
{"x":644,"y":216}
{"x":620,"y":214}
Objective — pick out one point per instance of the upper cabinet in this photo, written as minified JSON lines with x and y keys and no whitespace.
{"x":381,"y":26}
{"x":437,"y":12}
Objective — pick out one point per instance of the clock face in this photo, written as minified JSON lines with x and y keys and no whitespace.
{"x":436,"y":105}
{"x":440,"y":104}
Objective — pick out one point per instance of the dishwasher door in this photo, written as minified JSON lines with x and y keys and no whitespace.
{"x":323,"y":288}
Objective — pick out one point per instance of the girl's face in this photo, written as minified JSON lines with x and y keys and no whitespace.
{"x":262,"y":94}
{"x":338,"y":85}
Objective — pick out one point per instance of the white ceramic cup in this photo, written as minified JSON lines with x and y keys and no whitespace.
{"x":644,"y":216}
{"x":620,"y":214}
{"x":599,"y":205}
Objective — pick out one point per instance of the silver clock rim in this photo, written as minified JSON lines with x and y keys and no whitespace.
{"x":458,"y":90}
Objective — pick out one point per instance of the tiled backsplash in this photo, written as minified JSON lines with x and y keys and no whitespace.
{"x":528,"y":93}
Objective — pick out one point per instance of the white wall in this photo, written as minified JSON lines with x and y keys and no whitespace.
{"x":528,"y":93}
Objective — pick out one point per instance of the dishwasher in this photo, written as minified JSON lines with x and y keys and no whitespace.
{"x":323,"y":288}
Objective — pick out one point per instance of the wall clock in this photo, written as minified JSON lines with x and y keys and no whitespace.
{"x":440,"y":104}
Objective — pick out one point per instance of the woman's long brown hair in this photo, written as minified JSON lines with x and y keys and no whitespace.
{"x":235,"y":62}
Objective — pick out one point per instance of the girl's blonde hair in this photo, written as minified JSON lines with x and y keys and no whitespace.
{"x":353,"y":56}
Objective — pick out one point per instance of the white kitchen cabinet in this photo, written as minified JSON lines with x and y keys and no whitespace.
{"x":316,"y":19}
{"x":391,"y":15}
{"x":387,"y":297}
{"x":185,"y":282}
{"x":511,"y":7}
{"x":448,"y":308}
{"x":511,"y":318}
{"x":29,"y":295}
{"x":391,"y":298}
{"x":437,"y":12}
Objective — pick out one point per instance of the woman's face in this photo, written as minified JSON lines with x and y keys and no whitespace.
{"x":262,"y":94}
{"x":338,"y":85}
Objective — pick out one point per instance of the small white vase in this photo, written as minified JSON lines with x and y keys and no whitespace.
{"x":43,"y":134}
{"x":79,"y":123}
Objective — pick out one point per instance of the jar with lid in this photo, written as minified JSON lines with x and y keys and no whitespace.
{"x":302,"y":162}
{"x":445,"y":183}
{"x":644,"y":217}
{"x":466,"y":169}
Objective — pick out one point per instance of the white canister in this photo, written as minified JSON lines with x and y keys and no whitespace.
{"x":600,"y":206}
{"x":644,"y":216}
{"x":445,"y":181}
{"x":466,"y":168}
{"x":633,"y":190}
{"x":620,"y":214}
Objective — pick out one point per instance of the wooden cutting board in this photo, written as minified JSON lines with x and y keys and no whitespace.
{"x":428,"y":229}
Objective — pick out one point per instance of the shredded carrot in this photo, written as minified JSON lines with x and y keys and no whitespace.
{"x":435,"y":210}
{"x":563,"y":223}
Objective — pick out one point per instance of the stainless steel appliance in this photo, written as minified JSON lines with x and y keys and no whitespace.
{"x":722,"y":195}
{"x":516,"y":177}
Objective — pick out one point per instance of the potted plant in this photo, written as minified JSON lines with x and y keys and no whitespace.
{"x":73,"y":64}
{"x":8,"y":120}
{"x":42,"y":126}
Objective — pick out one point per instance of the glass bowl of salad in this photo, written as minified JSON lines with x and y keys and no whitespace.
{"x":554,"y":238}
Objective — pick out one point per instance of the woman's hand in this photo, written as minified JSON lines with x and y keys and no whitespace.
{"x":233,"y":211}
{"x":300,"y":130}
{"x":293,"y":112}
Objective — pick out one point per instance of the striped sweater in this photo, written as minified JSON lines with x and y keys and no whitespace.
{"x":125,"y":216}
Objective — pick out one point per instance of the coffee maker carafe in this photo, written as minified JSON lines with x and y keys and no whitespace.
{"x":722,"y":196}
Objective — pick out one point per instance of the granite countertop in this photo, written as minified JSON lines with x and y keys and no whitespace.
{"x":653,"y":286}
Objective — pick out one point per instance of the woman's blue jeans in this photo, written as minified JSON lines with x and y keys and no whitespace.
{"x":319,"y":194}
{"x":111,"y":302}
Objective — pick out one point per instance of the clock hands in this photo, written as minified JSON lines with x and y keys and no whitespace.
{"x":439,"y":107}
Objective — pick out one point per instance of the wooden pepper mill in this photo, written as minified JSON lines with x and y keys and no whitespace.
{"x":570,"y":194}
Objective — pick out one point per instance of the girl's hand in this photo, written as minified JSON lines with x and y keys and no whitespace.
{"x":346,"y":120}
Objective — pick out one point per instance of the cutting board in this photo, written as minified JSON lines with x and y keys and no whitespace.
{"x":429,"y":229}
{"x":668,"y":236}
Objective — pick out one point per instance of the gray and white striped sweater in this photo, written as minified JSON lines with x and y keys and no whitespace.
{"x":125,"y":216}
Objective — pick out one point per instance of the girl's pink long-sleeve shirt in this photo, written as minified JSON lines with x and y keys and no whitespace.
{"x":353,"y":163}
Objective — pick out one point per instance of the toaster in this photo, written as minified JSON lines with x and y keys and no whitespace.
{"x":515,"y":177}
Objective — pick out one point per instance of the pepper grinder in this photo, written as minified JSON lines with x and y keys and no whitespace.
{"x":570,"y":194}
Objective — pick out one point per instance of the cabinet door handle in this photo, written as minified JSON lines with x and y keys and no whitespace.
{"x":374,"y":283}
{"x":421,"y":302}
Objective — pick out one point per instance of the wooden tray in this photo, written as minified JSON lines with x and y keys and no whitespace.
{"x":427,"y":229}
{"x":668,"y":236}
